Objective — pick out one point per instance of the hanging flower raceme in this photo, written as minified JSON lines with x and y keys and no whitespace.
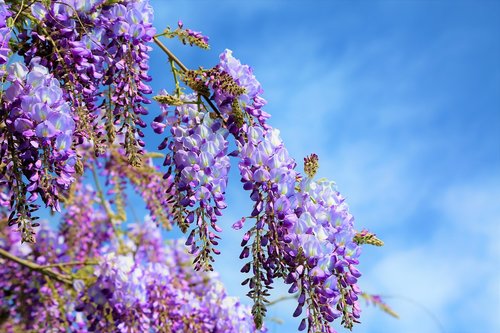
{"x":198,"y":166}
{"x":84,"y":225}
{"x":303,"y":232}
{"x":147,"y":181}
{"x":37,"y":143}
{"x":100,"y":51}
{"x":69,"y":43}
{"x":128,"y":29}
{"x":320,"y":238}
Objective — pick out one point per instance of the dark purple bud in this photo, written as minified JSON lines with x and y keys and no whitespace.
{"x":302,"y":325}
{"x":163,"y":144}
{"x":350,"y":279}
{"x":293,"y":288}
{"x":189,"y":241}
{"x":216,"y":227}
{"x":245,"y":239}
{"x":302,"y":298}
{"x":354,"y":271}
{"x":190,"y":217}
{"x":246,"y":268}
{"x":298,"y":311}
{"x":157,"y":127}
{"x":291,"y":278}
{"x":234,"y":153}
{"x":245,"y":253}
{"x":255,"y":195}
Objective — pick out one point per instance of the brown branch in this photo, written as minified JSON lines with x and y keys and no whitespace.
{"x":170,"y":54}
{"x":72,"y":263}
{"x":37,"y":268}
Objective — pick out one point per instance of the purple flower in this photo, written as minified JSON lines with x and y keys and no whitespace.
{"x":242,"y":74}
{"x":45,"y":129}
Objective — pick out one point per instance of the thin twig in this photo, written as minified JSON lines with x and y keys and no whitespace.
{"x":170,"y":54}
{"x":101,"y":196}
{"x":185,"y":69}
{"x":281,"y":299}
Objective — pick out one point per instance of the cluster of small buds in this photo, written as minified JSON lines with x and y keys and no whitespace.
{"x":194,"y":80}
{"x":311,"y":165}
{"x":187,"y":36}
{"x":198,"y":165}
{"x":366,"y":237}
{"x":222,"y":82}
{"x":377,"y":301}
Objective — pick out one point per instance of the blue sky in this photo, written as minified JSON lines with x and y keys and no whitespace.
{"x":401,"y":101}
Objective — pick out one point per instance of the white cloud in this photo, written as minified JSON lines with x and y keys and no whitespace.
{"x":455,"y":270}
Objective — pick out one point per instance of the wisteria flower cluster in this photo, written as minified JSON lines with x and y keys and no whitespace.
{"x":74,"y":108}
{"x":38,"y":138}
{"x":151,"y":279}
{"x":84,"y":80}
{"x":198,"y":166}
{"x":145,"y":285}
{"x":303,"y":230}
{"x":106,"y":42}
